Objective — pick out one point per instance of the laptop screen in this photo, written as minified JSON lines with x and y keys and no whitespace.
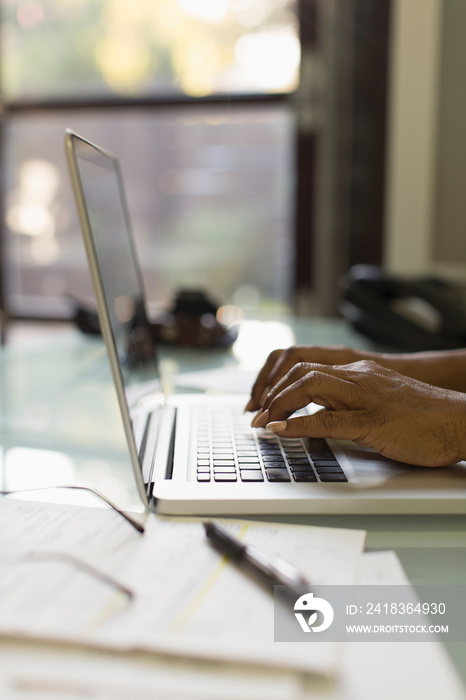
{"x":104,"y":208}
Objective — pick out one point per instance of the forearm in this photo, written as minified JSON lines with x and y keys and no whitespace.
{"x":446,"y":368}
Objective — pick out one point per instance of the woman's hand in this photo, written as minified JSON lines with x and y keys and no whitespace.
{"x":279,"y":362}
{"x":444,"y":368}
{"x":400,"y":417}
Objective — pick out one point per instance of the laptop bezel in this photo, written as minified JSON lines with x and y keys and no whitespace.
{"x":70,"y":138}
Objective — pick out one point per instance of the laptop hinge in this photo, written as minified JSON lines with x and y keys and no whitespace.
{"x":149,"y":445}
{"x":158,"y":462}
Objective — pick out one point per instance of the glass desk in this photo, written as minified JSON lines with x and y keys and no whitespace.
{"x":60,"y":424}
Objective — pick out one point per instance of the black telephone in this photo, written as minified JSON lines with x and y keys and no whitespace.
{"x":409,"y":314}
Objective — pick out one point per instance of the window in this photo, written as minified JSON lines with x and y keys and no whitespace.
{"x":194,"y":97}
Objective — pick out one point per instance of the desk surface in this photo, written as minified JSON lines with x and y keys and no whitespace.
{"x":59,"y":423}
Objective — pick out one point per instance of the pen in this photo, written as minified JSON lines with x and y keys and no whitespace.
{"x":270,"y":570}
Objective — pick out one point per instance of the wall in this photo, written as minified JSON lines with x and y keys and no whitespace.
{"x":450,"y":202}
{"x":426,"y":176}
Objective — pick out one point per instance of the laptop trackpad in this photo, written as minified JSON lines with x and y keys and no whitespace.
{"x":369,"y":469}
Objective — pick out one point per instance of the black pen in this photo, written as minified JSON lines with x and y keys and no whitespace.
{"x":271,"y":570}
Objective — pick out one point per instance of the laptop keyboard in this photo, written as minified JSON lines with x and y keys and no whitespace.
{"x":229,"y":450}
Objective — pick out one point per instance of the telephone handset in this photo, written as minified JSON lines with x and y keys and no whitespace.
{"x":410,"y":314}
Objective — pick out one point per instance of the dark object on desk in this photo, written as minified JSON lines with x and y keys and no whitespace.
{"x":191,"y":321}
{"x":409,"y":314}
{"x":270,"y":570}
{"x":86,"y":319}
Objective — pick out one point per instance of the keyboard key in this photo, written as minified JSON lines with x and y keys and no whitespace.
{"x":329,"y":470}
{"x":203,"y":477}
{"x":225,"y":477}
{"x":224,"y":463}
{"x":203,"y":462}
{"x":305,"y":467}
{"x":320,"y":450}
{"x":325,"y":462}
{"x":203,"y":470}
{"x":333,"y":477}
{"x":251,"y":475}
{"x":248,"y":460}
{"x":322,"y":454}
{"x":224,"y":470}
{"x":275,"y":465}
{"x":301,"y":468}
{"x":272,"y":457}
{"x":277,"y":475}
{"x":304,"y":476}
{"x":296,"y":454}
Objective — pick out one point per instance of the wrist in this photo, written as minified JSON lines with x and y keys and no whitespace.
{"x":459,"y":421}
{"x":427,"y":367}
{"x":403,"y":363}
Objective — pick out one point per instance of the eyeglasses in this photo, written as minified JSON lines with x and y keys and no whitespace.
{"x":62,"y":557}
{"x":31,"y":557}
{"x":137,"y":526}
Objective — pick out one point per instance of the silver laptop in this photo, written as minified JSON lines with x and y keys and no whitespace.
{"x":195,"y":453}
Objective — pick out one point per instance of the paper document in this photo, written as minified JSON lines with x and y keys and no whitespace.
{"x":188,"y":599}
{"x":34,"y":671}
{"x":212,"y":607}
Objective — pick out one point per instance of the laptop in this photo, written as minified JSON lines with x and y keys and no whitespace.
{"x":196,"y":453}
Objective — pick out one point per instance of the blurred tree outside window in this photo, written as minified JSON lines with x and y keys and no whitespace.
{"x":210,"y":187}
{"x":141,"y":47}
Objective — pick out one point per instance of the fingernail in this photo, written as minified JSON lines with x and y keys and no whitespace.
{"x":278,"y":426}
{"x":261,"y":420}
{"x":256,"y":418}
